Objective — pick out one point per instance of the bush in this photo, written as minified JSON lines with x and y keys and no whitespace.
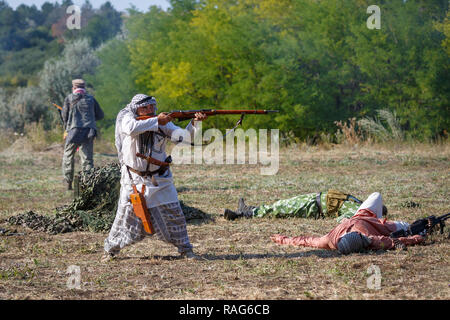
{"x":26,"y":105}
{"x":77,"y":61}
{"x":41,"y":138}
{"x":384,"y":128}
{"x":348,"y":132}
{"x":8,"y":138}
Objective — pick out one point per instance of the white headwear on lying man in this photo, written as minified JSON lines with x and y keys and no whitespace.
{"x":374,"y":203}
{"x":139,"y":100}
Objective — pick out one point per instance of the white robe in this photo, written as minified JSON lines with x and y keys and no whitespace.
{"x":166,"y":214}
{"x":165,"y":192}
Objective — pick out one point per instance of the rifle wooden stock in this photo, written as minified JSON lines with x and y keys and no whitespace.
{"x":190,"y":114}
{"x":60,"y":108}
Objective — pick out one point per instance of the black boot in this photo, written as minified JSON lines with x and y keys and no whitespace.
{"x":231,"y":215}
{"x":67,"y":184}
{"x":244,"y":210}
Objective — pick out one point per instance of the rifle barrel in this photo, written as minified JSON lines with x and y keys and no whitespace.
{"x":444,"y":217}
{"x":210,"y":112}
{"x":244,"y":111}
{"x":215,"y":111}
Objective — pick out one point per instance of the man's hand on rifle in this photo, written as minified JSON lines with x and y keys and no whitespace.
{"x":199,"y":116}
{"x":164,"y":118}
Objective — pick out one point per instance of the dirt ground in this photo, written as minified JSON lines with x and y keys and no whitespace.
{"x":240,"y":260}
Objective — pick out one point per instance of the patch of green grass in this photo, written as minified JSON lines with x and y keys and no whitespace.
{"x":17,"y":272}
{"x":244,"y":263}
{"x":3,"y":245}
{"x":41,"y":263}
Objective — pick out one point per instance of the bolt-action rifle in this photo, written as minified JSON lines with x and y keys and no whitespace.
{"x":190,"y":114}
{"x":423,"y":226}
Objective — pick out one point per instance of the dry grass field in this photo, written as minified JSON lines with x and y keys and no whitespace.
{"x":240,"y":260}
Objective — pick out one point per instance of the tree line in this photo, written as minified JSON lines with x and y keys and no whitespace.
{"x":315,"y":61}
{"x":39,"y":55}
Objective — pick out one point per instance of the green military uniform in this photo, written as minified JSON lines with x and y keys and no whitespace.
{"x":310,"y":205}
{"x":79,"y":114}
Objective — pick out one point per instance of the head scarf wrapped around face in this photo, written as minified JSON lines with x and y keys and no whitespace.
{"x":352,"y":242}
{"x":131,"y":109}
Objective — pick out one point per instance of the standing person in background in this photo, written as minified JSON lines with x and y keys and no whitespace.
{"x":79,"y":114}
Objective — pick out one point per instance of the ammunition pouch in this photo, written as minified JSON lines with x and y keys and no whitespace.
{"x":335,"y":199}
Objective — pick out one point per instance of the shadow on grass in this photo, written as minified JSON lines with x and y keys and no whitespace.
{"x":249,"y":256}
{"x":203,"y":188}
{"x":245,"y":256}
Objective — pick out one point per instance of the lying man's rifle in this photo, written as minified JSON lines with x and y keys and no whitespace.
{"x":422,"y":226}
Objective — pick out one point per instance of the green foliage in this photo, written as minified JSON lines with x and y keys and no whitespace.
{"x":57,"y":75}
{"x":29,"y":36}
{"x":317,"y":62}
{"x":24,"y":106}
{"x":103,"y":25}
{"x":39,"y":57}
{"x":113,"y":80}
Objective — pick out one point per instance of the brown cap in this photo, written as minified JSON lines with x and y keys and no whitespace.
{"x":78,"y":83}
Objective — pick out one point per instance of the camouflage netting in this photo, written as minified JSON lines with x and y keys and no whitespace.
{"x":94,"y":207}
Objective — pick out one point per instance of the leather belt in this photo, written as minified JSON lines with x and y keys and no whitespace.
{"x":143,"y":173}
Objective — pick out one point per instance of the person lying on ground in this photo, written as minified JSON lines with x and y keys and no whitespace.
{"x":312,"y":205}
{"x":366,"y":230}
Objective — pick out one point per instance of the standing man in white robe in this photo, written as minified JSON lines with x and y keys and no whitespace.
{"x":148,"y":137}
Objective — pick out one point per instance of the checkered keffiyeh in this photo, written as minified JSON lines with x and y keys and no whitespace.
{"x":133,"y":105}
{"x":131,"y":108}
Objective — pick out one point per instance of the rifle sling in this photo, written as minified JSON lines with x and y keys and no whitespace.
{"x":152,"y":161}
